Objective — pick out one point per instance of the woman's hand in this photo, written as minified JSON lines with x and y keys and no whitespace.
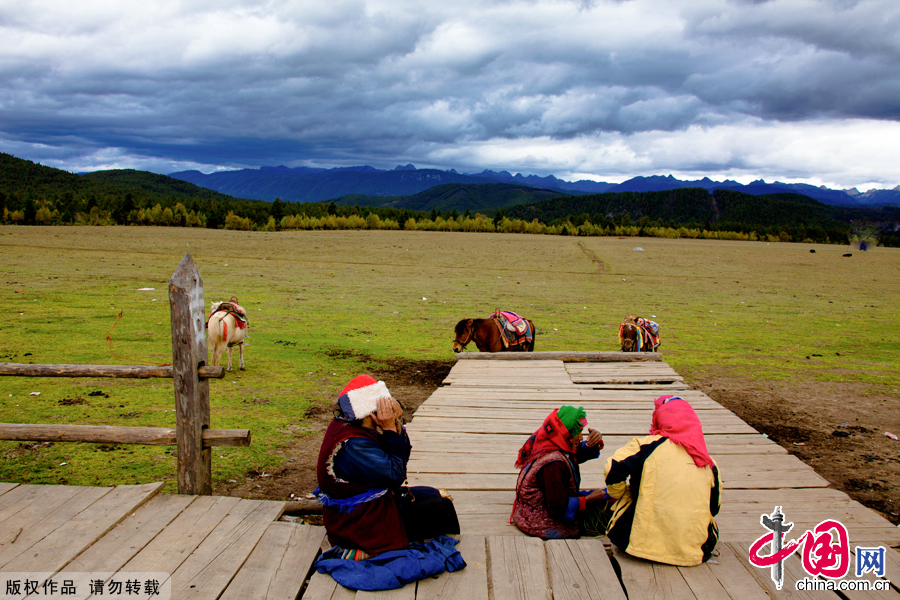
{"x":595,"y":496}
{"x":387,"y":414}
{"x":594,"y":438}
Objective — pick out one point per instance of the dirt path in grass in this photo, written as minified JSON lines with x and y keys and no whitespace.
{"x":836,"y":428}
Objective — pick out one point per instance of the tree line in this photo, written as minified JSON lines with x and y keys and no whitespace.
{"x":35,"y":195}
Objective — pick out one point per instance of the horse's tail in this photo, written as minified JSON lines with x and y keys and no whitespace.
{"x":218,"y":328}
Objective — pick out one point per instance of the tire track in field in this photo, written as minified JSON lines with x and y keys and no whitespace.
{"x":601,"y":266}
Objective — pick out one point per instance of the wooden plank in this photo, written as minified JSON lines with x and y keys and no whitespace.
{"x":5,"y":487}
{"x":871,"y":594}
{"x":645,"y":579}
{"x":488,"y":512}
{"x":556,"y":393}
{"x":752,"y":443}
{"x":437,"y":403}
{"x":567,"y":356}
{"x":26,"y":504}
{"x":704,"y":584}
{"x":636,"y":378}
{"x":863,"y":536}
{"x":130,"y":536}
{"x":279,"y":565}
{"x":115,"y":371}
{"x":110,"y":434}
{"x":63,"y":544}
{"x":760,"y":479}
{"x":662,"y":388}
{"x":851,"y":512}
{"x":690,"y":395}
{"x":500,"y":393}
{"x":595,"y":414}
{"x":323,"y":587}
{"x":734,"y":464}
{"x":518,"y":568}
{"x":892,"y":566}
{"x":581,"y":569}
{"x":793,"y":571}
{"x":523,"y":385}
{"x":470,"y":583}
{"x":488,"y":525}
{"x":187,"y":310}
{"x":407,"y":592}
{"x":620,"y":426}
{"x":45,"y":515}
{"x":166,"y":552}
{"x":732,"y":573}
{"x":212,"y":565}
{"x":602,"y":370}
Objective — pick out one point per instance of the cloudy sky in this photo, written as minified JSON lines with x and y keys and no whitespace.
{"x":790,"y":90}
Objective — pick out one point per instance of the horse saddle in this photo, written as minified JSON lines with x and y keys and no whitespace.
{"x":649,"y":326}
{"x":514,"y":328}
{"x":511,"y":321}
{"x":651,"y":329}
{"x":234,"y":309}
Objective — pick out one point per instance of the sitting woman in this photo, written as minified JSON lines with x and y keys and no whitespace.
{"x":677,"y":483}
{"x":361,"y":471}
{"x":549,"y":503}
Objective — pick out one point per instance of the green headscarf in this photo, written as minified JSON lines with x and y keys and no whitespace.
{"x":573,"y":418}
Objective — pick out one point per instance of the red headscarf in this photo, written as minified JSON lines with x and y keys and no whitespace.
{"x":552,"y":435}
{"x":675,"y":419}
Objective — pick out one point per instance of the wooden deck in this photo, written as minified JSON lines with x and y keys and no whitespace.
{"x":465,"y":438}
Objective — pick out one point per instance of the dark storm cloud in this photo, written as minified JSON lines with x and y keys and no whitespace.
{"x":586,"y":87}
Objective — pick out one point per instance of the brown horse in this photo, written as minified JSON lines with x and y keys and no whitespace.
{"x":487,"y":337}
{"x":634,"y":338}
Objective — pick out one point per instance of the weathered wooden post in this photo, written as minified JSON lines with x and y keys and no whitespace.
{"x":191,"y":392}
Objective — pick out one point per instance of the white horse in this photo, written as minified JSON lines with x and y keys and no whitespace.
{"x":224,"y":332}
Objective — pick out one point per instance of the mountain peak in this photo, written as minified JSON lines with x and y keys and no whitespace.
{"x":407,"y":167}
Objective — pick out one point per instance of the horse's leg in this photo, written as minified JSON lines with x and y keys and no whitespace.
{"x":497,"y":343}
{"x":241,"y":348}
{"x":229,"y":359}
{"x":214,"y":340}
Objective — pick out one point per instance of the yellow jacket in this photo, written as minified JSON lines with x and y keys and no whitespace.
{"x":665,"y":505}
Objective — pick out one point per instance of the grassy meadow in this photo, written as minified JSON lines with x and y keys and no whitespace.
{"x":324,"y":304}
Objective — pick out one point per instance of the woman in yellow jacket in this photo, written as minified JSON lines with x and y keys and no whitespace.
{"x":666,"y":488}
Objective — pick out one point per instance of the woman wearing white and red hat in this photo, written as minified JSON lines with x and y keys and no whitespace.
{"x":361,"y":471}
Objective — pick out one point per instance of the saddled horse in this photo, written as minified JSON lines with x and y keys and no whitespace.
{"x":225,"y":330}
{"x":635,"y":336}
{"x":487,"y":337}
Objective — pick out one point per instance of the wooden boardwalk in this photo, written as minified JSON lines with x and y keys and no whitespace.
{"x":465,"y":438}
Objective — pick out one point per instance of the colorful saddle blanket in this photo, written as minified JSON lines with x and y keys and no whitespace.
{"x":650,"y":329}
{"x":232,"y":308}
{"x":515,"y":330}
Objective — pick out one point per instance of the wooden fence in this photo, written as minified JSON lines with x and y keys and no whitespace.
{"x":192,"y":434}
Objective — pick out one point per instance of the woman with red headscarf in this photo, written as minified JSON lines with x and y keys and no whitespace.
{"x":549,"y":502}
{"x":666,"y":488}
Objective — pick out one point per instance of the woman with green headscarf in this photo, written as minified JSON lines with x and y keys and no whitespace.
{"x":549,"y":503}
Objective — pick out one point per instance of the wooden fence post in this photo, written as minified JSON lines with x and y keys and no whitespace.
{"x":191,"y":392}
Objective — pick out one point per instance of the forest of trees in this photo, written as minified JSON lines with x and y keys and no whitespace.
{"x":32,"y":194}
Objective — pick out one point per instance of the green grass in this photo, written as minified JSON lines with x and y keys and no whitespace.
{"x":757,"y":310}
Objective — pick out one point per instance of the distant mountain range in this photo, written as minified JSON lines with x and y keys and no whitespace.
{"x":304,"y":184}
